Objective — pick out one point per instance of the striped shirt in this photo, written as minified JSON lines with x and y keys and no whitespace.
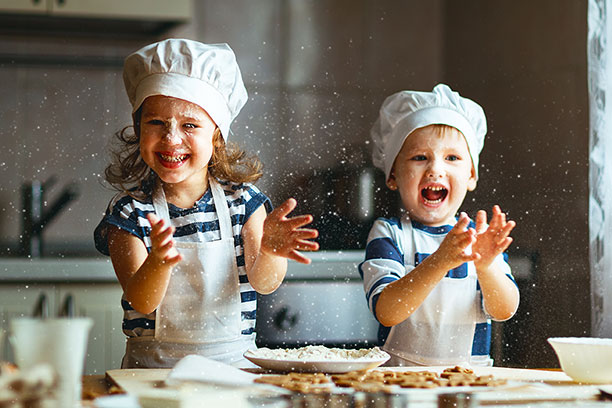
{"x":388,"y":258}
{"x":199,"y":223}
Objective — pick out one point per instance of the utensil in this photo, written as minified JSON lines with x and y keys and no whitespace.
{"x":59,"y":342}
{"x":585,"y":359}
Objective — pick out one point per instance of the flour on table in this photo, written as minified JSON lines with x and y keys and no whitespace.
{"x":318,"y":353}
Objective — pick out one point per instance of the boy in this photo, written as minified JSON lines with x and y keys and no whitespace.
{"x":433,"y":281}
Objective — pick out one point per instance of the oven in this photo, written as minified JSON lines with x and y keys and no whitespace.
{"x":321,"y":303}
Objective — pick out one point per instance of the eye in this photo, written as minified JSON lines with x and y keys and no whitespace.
{"x":418,"y":157}
{"x":191,"y":125}
{"x":154,"y":122}
{"x":452,"y":157}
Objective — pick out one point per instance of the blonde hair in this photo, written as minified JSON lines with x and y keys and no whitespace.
{"x":127,"y":168}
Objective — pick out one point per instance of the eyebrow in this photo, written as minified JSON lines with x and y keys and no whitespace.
{"x":182,"y":117}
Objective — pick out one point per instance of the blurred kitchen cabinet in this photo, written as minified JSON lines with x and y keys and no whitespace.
{"x":100,"y":300}
{"x":120,"y":9}
{"x":23,"y":6}
{"x":18,"y":300}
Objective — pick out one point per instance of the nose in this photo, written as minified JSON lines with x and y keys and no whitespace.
{"x":172,"y":134}
{"x":435,"y":169}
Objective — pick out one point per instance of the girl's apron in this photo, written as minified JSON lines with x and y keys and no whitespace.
{"x":441,"y":330}
{"x":201,"y":310}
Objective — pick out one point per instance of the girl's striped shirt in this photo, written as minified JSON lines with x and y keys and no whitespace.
{"x":199,"y":223}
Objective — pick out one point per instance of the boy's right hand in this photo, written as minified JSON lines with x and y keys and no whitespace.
{"x":162,"y":244}
{"x":452,"y":251}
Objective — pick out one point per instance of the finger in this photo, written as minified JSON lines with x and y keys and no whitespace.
{"x":505,"y":244}
{"x":173,"y":260}
{"x":285,"y":208}
{"x":305,"y":233}
{"x":304,"y":245}
{"x":481,"y":221}
{"x":153,"y":218}
{"x":298,"y":257}
{"x":507,"y":228}
{"x":299,"y":221}
{"x":474,"y":256}
{"x":166,"y":248}
{"x":462,"y":223}
{"x":155,"y":221}
{"x":163,"y":237}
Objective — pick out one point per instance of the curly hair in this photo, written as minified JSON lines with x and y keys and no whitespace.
{"x":127,"y":168}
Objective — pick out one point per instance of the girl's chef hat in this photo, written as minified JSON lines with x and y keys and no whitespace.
{"x":204,"y":74}
{"x":406,"y":111}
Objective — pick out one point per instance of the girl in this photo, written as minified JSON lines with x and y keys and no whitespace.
{"x":192,"y":242}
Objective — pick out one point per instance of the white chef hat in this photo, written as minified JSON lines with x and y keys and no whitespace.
{"x":406,"y":111}
{"x":205,"y":74}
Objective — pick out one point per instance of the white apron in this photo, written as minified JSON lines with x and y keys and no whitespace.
{"x":441,"y":330}
{"x":201,"y":310}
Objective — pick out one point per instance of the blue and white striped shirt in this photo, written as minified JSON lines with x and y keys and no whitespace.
{"x":199,"y":223}
{"x":389,"y":258}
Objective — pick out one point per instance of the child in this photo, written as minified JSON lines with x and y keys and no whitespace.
{"x":191,"y":241}
{"x":431,"y":278}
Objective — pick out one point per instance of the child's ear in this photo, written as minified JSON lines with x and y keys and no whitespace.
{"x":472,"y":181}
{"x":391,"y":183}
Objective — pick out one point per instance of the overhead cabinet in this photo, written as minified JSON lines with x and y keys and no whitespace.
{"x":66,"y":15}
{"x":132,"y":9}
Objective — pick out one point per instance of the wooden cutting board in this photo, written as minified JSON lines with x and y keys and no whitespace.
{"x":137,"y":380}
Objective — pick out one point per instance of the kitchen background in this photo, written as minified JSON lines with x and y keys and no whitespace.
{"x":317,"y":72}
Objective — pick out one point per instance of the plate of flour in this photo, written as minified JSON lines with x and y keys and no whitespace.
{"x":317,"y":359}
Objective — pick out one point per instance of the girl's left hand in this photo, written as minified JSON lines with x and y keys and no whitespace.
{"x":284,"y":236}
{"x":493,"y":239}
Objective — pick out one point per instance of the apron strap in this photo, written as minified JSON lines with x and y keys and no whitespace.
{"x":225,"y":222}
{"x":159,"y":202}
{"x":407,"y":237}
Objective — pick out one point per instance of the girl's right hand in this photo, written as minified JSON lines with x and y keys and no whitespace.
{"x":452,"y":249}
{"x":284,"y":236}
{"x":162,"y":244}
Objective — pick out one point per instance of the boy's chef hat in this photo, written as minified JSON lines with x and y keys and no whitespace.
{"x":204,"y":74}
{"x":406,"y":111}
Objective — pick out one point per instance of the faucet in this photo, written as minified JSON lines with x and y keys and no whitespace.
{"x":36,"y":216}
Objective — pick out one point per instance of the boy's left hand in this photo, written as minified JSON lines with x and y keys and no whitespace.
{"x":285,"y":237}
{"x":492,"y":239}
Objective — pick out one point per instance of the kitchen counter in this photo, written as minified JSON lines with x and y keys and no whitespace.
{"x":56,"y":270}
{"x":327,"y":265}
{"x":525,"y":388}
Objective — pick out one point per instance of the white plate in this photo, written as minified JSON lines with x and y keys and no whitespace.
{"x":310,"y":366}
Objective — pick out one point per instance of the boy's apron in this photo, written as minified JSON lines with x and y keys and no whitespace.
{"x":201,"y":310}
{"x":441,"y":330}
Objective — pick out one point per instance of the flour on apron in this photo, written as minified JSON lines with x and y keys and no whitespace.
{"x":201,"y":310}
{"x":441,"y":330}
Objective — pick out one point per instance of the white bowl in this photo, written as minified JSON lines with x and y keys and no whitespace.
{"x":585,"y":359}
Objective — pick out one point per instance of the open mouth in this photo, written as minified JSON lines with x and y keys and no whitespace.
{"x":434,"y":194}
{"x":172,"y":159}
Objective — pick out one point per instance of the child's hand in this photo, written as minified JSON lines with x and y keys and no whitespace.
{"x":284,"y":236}
{"x":162,"y":244}
{"x":493,"y":239}
{"x":452,"y":249}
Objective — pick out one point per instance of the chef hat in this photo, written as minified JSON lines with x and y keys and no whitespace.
{"x":204,"y":74}
{"x":406,"y":111}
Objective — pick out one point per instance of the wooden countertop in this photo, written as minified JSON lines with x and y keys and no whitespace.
{"x":533,"y":385}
